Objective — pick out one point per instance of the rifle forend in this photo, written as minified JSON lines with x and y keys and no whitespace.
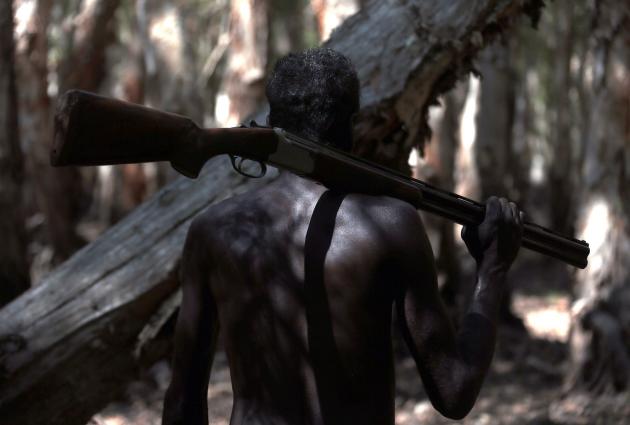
{"x":94,"y":130}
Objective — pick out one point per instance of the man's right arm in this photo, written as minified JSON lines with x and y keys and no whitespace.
{"x":453,"y":365}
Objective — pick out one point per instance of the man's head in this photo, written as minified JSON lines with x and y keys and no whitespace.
{"x":315,"y":93}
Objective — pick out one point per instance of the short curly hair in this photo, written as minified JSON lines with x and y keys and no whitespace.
{"x":315,"y":93}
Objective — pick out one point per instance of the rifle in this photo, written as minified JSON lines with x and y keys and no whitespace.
{"x":95,"y":130}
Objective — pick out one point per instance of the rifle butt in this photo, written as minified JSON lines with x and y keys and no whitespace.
{"x":96,"y":130}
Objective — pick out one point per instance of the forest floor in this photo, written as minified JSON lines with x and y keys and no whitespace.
{"x":524,"y":385}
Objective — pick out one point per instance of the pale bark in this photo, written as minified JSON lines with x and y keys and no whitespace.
{"x":600,"y":350}
{"x":244,"y":79}
{"x":329,"y":14}
{"x":14,"y":268}
{"x":71,"y":338}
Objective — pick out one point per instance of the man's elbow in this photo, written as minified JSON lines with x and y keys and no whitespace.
{"x":456,"y":410}
{"x":459,"y":400}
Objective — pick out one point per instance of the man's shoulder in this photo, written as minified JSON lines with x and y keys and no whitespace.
{"x":219,"y":223}
{"x":386,"y":211}
{"x":230,"y":209}
{"x":398,"y":222}
{"x":208,"y":223}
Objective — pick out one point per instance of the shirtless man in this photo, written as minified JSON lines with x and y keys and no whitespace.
{"x":302,"y":280}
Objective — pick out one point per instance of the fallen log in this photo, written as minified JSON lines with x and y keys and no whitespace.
{"x":69,"y":345}
{"x":409,"y":52}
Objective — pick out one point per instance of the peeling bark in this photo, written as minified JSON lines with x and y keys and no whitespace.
{"x":407,"y":53}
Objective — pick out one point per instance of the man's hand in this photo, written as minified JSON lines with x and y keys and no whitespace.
{"x":495,"y":242}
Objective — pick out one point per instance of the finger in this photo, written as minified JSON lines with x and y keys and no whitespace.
{"x":493,"y":207}
{"x":506,"y":212}
{"x":517,"y":222}
{"x":515,"y":215}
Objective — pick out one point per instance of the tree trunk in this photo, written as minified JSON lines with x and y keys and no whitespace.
{"x":14,"y":268}
{"x":290,"y":27}
{"x":59,"y":192}
{"x":329,"y":14}
{"x":35,"y":130}
{"x":495,"y":162}
{"x":562,"y":176}
{"x":93,"y":31}
{"x":600,"y":349}
{"x":439,"y":170}
{"x":244,"y":81}
{"x":68,"y":344}
{"x":170,"y":64}
{"x":170,"y":60}
{"x":495,"y":119}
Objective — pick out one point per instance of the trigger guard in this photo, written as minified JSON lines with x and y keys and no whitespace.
{"x":237,"y":161}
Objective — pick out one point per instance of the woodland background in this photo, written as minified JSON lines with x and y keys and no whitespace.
{"x":528,"y":99}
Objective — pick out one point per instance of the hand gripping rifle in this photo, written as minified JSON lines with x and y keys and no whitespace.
{"x":95,"y":130}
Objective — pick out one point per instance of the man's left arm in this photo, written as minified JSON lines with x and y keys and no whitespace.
{"x":195,"y":337}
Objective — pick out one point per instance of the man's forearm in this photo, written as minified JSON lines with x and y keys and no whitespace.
{"x":477,"y":336}
{"x":488,"y":290}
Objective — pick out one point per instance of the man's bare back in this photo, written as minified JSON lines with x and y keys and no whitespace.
{"x":308,"y":341}
{"x":302,"y":280}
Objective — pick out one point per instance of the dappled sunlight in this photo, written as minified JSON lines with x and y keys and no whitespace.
{"x":468,"y":129}
{"x":466,"y":180}
{"x":23,"y":15}
{"x":545,"y":317}
{"x":596,"y":229}
{"x":165,"y":33}
{"x":222,"y":111}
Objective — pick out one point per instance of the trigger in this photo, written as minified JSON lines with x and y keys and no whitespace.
{"x":233,"y":161}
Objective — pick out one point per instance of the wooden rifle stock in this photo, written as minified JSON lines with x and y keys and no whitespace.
{"x":95,"y":130}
